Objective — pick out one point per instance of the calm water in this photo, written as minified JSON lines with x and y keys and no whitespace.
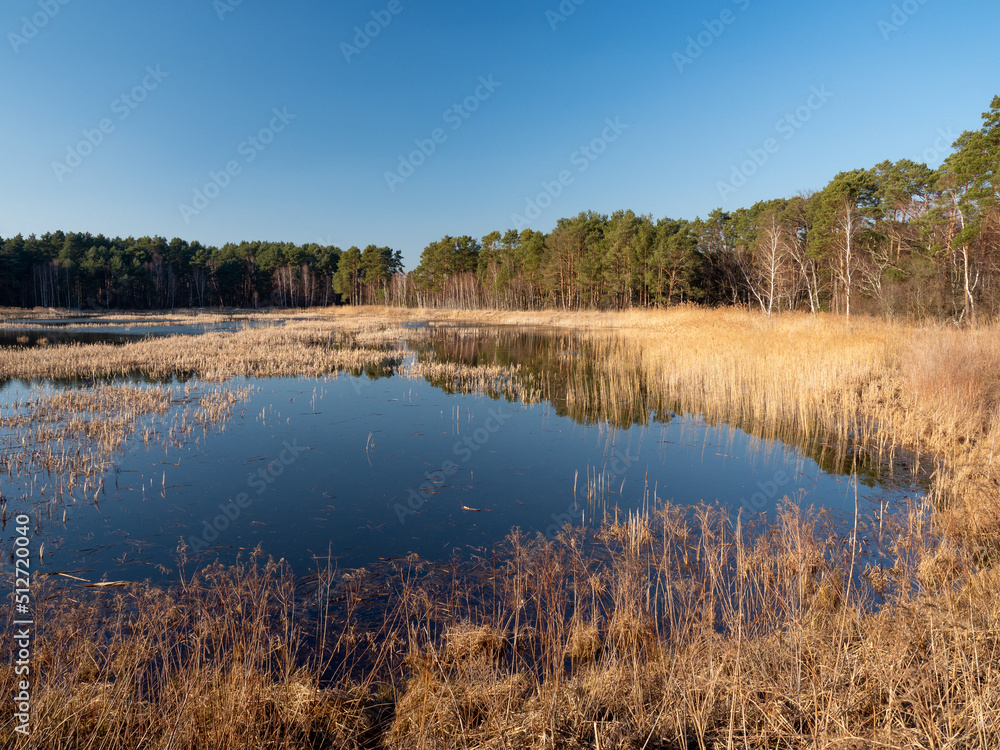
{"x":363,"y":470}
{"x":31,"y":332}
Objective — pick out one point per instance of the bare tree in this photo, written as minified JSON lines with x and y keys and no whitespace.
{"x":768,"y":275}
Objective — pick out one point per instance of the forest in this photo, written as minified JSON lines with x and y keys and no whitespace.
{"x":84,"y":271}
{"x":897,"y":239}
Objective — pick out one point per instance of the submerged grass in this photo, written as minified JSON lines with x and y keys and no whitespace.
{"x":670,"y":628}
{"x":56,"y":446}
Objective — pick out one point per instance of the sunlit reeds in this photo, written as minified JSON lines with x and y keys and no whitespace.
{"x":292,"y":349}
{"x":664,"y":628}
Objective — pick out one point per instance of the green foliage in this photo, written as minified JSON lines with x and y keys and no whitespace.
{"x":87,"y":271}
{"x":899,"y":238}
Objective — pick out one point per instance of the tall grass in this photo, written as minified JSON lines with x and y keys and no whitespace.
{"x":668,"y":628}
{"x":665,"y":629}
{"x":881,"y":387}
{"x":225,"y":660}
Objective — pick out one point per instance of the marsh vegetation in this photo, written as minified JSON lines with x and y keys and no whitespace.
{"x":646,"y":622}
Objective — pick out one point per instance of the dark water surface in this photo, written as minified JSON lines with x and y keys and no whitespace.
{"x":363,"y":470}
{"x":30,"y":332}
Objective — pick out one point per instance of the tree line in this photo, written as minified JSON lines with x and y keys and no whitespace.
{"x":85,"y":271}
{"x":899,"y":238}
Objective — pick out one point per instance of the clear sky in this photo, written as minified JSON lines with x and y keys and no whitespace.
{"x":292,"y":118}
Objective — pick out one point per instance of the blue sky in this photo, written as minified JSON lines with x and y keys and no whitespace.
{"x":692,"y":91}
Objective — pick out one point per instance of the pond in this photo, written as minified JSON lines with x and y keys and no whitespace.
{"x":361,"y":469}
{"x":31,"y":331}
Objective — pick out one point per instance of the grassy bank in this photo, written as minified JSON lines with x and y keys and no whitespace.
{"x":662,"y":630}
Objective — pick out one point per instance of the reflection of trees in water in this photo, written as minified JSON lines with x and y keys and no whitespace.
{"x":385,"y":368}
{"x":576,"y":373}
{"x":600,"y":378}
{"x":29,"y":339}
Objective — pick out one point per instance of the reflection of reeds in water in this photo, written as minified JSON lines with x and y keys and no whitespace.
{"x":861,"y":397}
{"x":59,"y":444}
{"x":496,"y":381}
{"x":873,"y":387}
{"x":604,"y":384}
{"x":583,"y":376}
{"x":605,"y":378}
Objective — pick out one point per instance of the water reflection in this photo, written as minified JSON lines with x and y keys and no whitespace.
{"x":598,"y":378}
{"x":34,"y":332}
{"x":372,"y":465}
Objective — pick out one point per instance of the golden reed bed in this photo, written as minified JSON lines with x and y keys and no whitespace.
{"x":666,"y":631}
{"x":928,"y":389}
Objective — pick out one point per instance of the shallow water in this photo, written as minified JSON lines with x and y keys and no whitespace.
{"x":362,"y":470}
{"x":30,"y":332}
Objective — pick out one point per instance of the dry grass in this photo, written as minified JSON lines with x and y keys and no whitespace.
{"x":672,"y":628}
{"x":703,"y":631}
{"x":665,"y":630}
{"x":880,"y":387}
{"x":883,"y":387}
{"x":293,"y":349}
{"x":219,"y":662}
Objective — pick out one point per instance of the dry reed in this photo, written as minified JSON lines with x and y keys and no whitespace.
{"x":671,"y":628}
{"x":293,"y":349}
{"x":666,"y":629}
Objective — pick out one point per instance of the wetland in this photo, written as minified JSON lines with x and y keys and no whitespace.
{"x":424,"y":529}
